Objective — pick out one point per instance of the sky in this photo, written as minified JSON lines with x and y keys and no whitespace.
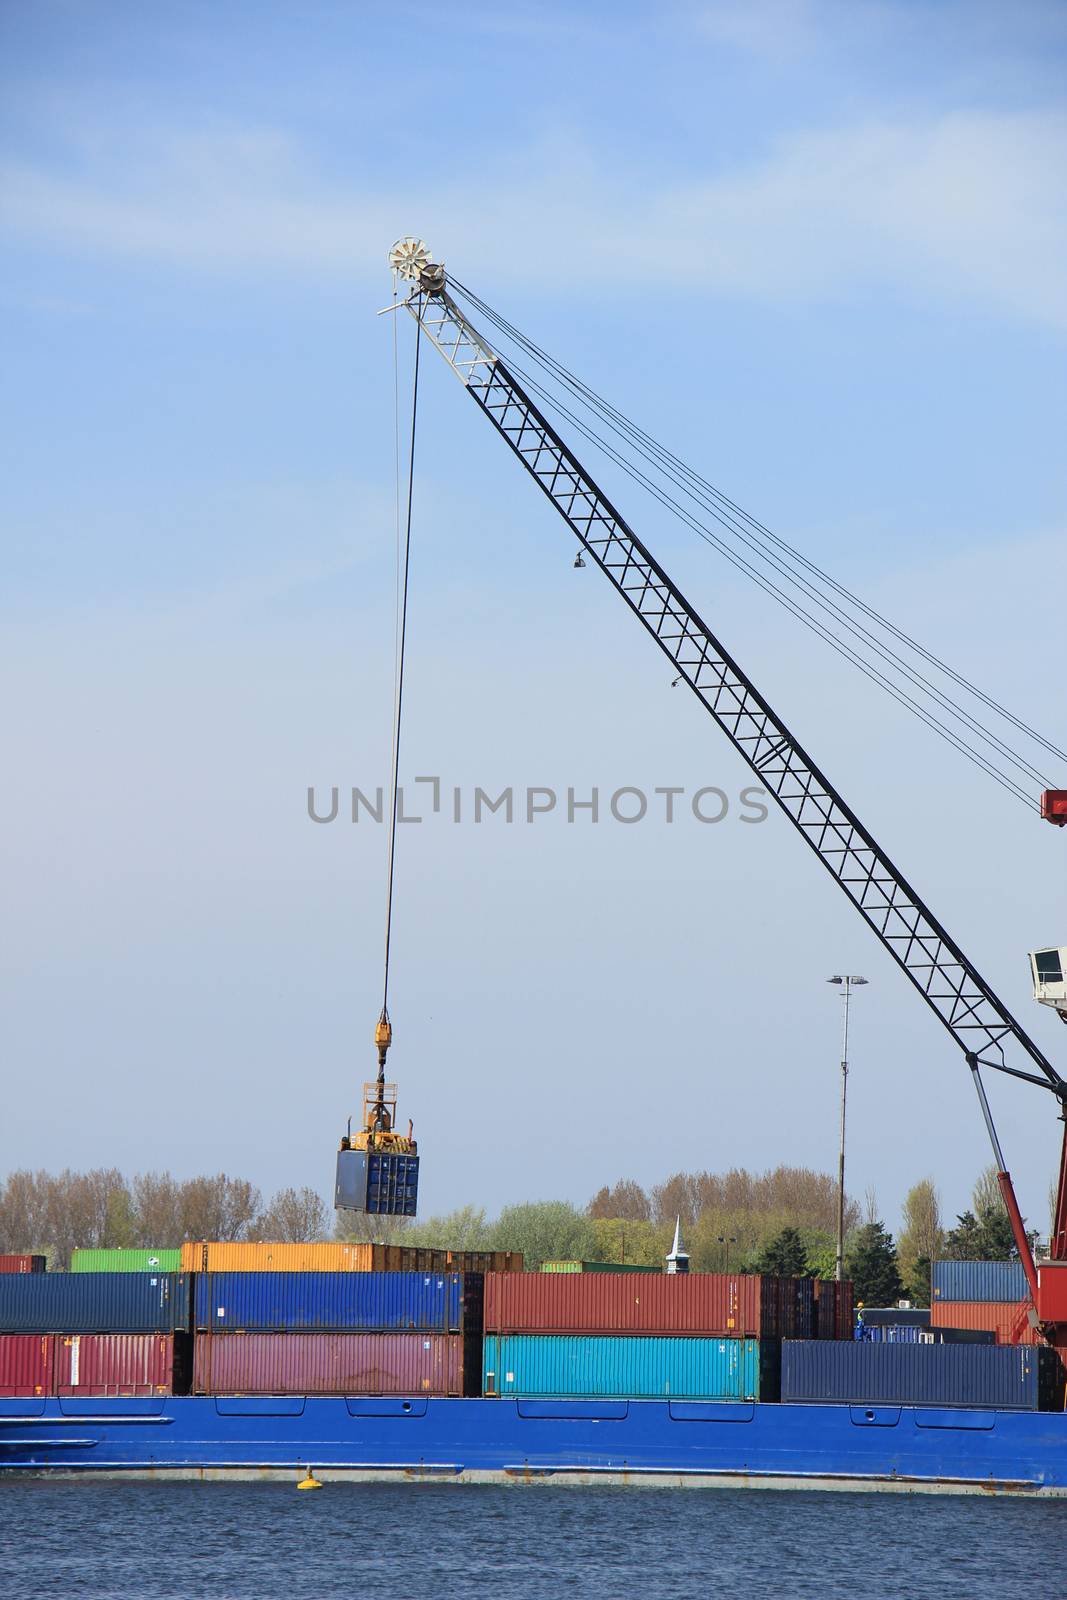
{"x":818,"y":248}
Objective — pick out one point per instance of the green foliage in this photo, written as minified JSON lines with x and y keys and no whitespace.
{"x":821,"y":1253}
{"x":464,"y":1229}
{"x":986,"y":1237}
{"x":871,"y":1263}
{"x":917,"y":1283}
{"x":638,"y":1243}
{"x":784,"y":1255}
{"x":545,"y":1230}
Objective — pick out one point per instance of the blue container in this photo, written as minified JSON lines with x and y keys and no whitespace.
{"x":911,"y":1333}
{"x":978,"y":1280}
{"x":600,"y":1366}
{"x":94,"y":1302}
{"x":338,"y":1302}
{"x":381,"y":1185}
{"x":1004,"y":1377}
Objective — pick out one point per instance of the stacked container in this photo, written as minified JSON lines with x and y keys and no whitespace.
{"x":991,"y":1295}
{"x":631,"y":1335}
{"x":345,"y":1332}
{"x":22,"y":1263}
{"x":832,"y":1313}
{"x":94,"y":1334}
{"x":224,"y":1256}
{"x":933,"y":1375}
{"x":147,"y":1260}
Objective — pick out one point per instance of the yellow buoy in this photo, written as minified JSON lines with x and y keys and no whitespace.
{"x":310,"y":1481}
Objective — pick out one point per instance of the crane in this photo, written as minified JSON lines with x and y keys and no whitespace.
{"x":979,"y":1022}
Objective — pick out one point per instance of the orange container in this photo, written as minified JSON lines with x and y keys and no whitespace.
{"x":1005,"y":1318}
{"x":221,"y":1256}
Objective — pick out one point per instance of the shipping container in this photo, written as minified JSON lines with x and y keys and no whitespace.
{"x":699,"y":1303}
{"x":118,"y":1364}
{"x":915,"y":1333}
{"x":993,"y":1376}
{"x":26,"y":1361}
{"x":126,"y":1260}
{"x":1008,"y":1320}
{"x":846,"y":1313}
{"x":378,"y":1182}
{"x":335,"y":1363}
{"x":896,"y":1316}
{"x":439,"y":1302}
{"x":594,"y":1266}
{"x":23,"y":1263}
{"x":94,"y":1302}
{"x":978,"y":1280}
{"x":213,"y":1256}
{"x":602,"y":1366}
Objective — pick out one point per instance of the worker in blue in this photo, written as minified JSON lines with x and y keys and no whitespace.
{"x":861,"y":1332}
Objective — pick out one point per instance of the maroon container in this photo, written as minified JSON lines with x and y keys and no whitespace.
{"x":846,"y":1312}
{"x":26,"y":1363}
{"x":329,"y":1363}
{"x":127,"y":1364}
{"x":623,"y":1302}
{"x":22,"y":1263}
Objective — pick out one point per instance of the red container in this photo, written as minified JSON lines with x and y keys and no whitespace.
{"x":331,"y":1363}
{"x":622,"y":1302}
{"x":22,"y":1263}
{"x":26,"y":1363}
{"x":1006,"y":1318}
{"x":126,"y":1364}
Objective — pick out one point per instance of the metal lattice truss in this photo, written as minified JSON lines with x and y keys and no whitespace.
{"x":960,"y":997}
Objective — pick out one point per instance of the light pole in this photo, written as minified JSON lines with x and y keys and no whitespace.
{"x":723,"y":1240}
{"x":847,"y":983}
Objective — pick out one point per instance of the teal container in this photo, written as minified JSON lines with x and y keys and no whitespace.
{"x":125,"y":1260}
{"x":610,"y":1366}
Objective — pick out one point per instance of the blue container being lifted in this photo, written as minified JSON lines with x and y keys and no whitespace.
{"x":378,"y":1183}
{"x":997,"y":1377}
{"x":338,"y":1302}
{"x":629,"y":1367}
{"x":978,"y":1280}
{"x":94,"y":1302}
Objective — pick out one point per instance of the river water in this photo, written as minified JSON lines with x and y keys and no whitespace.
{"x":160,"y":1541}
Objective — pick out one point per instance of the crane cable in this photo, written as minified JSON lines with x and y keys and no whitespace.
{"x":755,"y":537}
{"x":400,"y":641}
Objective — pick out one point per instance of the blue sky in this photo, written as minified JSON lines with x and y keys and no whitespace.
{"x":818,"y":248}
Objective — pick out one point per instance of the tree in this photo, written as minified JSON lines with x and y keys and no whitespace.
{"x":626,"y":1200}
{"x":219,"y":1208}
{"x":294,"y":1216}
{"x":464,"y":1229}
{"x":546,"y":1230}
{"x":922,"y":1239}
{"x":638,"y":1244}
{"x":871,"y":1263}
{"x":784,"y":1255}
{"x":984,"y":1233}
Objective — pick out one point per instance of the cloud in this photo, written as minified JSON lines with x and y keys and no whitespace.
{"x":967,"y":207}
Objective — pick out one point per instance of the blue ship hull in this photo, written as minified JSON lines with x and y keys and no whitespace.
{"x":637,"y":1441}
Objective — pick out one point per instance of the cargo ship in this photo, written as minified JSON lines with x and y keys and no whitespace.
{"x":473,"y":1376}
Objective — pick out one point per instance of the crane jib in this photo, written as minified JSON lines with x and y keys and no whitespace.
{"x":958,"y":995}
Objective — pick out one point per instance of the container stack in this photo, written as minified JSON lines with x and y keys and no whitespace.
{"x":636,"y":1336}
{"x":344,"y":1333}
{"x":832,"y":1314}
{"x":117,"y":1334}
{"x":22,"y":1263}
{"x":982,"y":1295}
{"x":935,"y":1375}
{"x":224,"y":1256}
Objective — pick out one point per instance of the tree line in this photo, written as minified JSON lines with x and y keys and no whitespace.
{"x":52,"y":1213}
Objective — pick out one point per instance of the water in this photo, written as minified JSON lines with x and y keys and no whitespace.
{"x":160,"y":1541}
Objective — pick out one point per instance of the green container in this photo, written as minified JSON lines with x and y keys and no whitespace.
{"x":594,"y":1266}
{"x":125,"y":1260}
